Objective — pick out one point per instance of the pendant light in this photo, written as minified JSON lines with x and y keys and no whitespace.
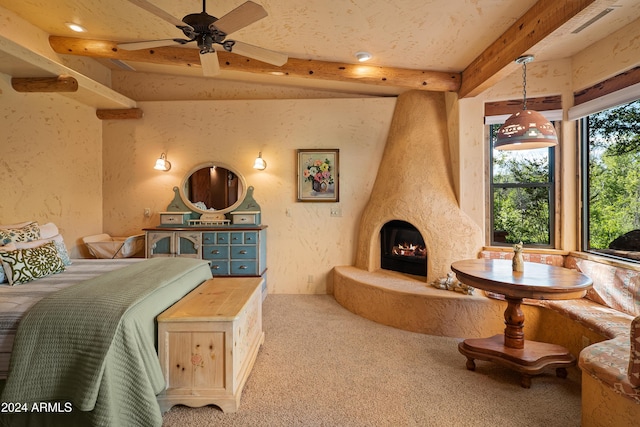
{"x":526,"y":129}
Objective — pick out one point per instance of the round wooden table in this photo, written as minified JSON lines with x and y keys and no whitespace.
{"x":537,"y":281}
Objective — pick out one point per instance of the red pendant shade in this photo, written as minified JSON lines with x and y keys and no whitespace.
{"x":526,"y":130}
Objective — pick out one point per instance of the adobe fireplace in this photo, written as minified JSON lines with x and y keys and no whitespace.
{"x":402,"y":248}
{"x":415,"y":185}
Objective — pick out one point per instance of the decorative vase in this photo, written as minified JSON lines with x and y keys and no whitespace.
{"x":319,"y":186}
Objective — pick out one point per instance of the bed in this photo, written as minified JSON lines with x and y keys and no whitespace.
{"x":16,"y":300}
{"x":52,"y":349}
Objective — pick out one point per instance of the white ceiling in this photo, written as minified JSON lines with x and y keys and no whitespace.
{"x":439,"y":35}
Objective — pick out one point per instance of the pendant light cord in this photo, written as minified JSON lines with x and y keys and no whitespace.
{"x":524,"y":85}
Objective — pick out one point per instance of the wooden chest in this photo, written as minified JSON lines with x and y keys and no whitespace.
{"x":208,"y":342}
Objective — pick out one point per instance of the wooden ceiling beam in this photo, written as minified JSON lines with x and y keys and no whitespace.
{"x":374,"y":75}
{"x":45,"y":84}
{"x":119,"y":113}
{"x":497,"y":60}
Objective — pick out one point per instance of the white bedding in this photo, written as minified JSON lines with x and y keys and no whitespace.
{"x":15,"y":301}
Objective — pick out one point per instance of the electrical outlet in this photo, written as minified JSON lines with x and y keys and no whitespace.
{"x":336,"y":211}
{"x":147,"y":212}
{"x":287,"y":212}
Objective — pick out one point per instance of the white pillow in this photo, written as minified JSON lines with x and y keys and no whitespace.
{"x":48,"y":230}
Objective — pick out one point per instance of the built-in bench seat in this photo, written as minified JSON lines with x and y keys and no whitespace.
{"x":611,"y":309}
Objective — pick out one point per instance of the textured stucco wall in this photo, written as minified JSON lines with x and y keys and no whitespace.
{"x":303,"y":247}
{"x":51,"y":163}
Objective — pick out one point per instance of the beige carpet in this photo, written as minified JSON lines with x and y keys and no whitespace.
{"x":322,"y":365}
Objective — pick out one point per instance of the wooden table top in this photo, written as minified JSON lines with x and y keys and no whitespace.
{"x":538,"y":281}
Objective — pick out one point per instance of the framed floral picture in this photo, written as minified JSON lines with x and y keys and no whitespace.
{"x":318,"y":175}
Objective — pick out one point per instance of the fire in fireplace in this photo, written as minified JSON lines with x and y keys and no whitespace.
{"x":402,"y":248}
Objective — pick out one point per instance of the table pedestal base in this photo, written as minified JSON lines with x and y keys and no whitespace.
{"x":531,"y":360}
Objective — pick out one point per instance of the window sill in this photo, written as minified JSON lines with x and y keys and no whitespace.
{"x":527,"y":250}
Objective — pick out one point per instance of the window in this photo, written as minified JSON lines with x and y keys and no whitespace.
{"x":611,"y":186}
{"x":521,"y":196}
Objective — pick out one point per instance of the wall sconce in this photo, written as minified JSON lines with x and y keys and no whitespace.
{"x":526,"y":129}
{"x":162,"y":164}
{"x":260,"y":164}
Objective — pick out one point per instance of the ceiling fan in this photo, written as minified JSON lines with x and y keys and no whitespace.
{"x":207,"y":30}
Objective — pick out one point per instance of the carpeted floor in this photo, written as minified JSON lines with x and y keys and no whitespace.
{"x":322,"y":365}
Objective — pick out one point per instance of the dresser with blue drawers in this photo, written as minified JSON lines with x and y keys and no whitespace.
{"x":231,"y":250}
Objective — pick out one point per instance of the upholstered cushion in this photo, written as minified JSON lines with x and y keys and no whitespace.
{"x":634,"y":356}
{"x":25,"y":233}
{"x":615,"y":287}
{"x":25,"y":265}
{"x":57,"y":240}
{"x":549,"y":259}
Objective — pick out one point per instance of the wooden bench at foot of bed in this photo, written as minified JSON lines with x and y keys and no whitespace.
{"x":208,"y":342}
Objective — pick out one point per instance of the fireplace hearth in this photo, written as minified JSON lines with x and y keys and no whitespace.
{"x":402,"y":248}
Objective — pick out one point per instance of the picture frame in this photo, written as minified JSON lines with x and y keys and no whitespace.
{"x":318,"y":175}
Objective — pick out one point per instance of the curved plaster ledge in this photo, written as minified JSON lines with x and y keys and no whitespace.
{"x":398,"y":300}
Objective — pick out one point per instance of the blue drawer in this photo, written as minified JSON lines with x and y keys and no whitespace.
{"x":250,"y":237}
{"x":215,"y":252}
{"x":220,"y":268}
{"x":236,"y":238}
{"x":208,"y":238}
{"x":243,"y":252}
{"x":244,"y":267}
{"x":222,"y":238}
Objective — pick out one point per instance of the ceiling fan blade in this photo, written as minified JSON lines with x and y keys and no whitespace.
{"x":243,"y":15}
{"x":144,"y":4}
{"x":210,"y":64}
{"x":149,"y":44}
{"x":258,"y":53}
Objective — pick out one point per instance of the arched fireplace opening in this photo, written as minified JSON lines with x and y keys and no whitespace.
{"x":402,"y":248}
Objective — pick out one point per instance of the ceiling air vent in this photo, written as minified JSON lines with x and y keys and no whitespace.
{"x":592,"y":20}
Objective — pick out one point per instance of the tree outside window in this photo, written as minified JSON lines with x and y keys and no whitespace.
{"x":522,"y":196}
{"x":611,"y":194}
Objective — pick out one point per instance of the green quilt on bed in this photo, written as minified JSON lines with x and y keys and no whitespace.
{"x":93,"y":344}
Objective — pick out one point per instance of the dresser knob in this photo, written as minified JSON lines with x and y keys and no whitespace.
{"x":243,"y":252}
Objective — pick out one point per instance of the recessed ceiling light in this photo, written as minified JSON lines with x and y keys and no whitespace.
{"x":363,"y":56}
{"x":75,"y":27}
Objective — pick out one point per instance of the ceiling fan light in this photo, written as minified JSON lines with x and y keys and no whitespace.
{"x":363,"y":56}
{"x":526,"y":130}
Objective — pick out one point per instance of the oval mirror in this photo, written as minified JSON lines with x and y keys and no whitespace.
{"x":213,"y":187}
